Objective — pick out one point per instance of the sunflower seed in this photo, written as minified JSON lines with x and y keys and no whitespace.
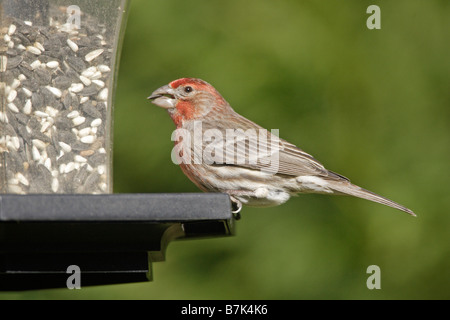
{"x":57,"y":92}
{"x":21,"y":178}
{"x":11,"y":96}
{"x":84,"y":99}
{"x":45,"y":126}
{"x":15,"y":83}
{"x":39,"y":46}
{"x":89,"y":72}
{"x":80,"y":159}
{"x":78,"y":120}
{"x":91,"y":181}
{"x":14,"y":189}
{"x":62,"y":82}
{"x":89,"y":91}
{"x":62,"y":168}
{"x":37,"y":100}
{"x":13,"y":62}
{"x":103,"y":68}
{"x":76,"y":63}
{"x":84,"y":132}
{"x":52,"y":64}
{"x":73,"y":114}
{"x":27,"y":92}
{"x":97,"y":159}
{"x":48,"y":163}
{"x":67,"y":137}
{"x":34,"y":50}
{"x":97,"y":75}
{"x":35,"y":153}
{"x":16,"y":142}
{"x":52,"y":112}
{"x":39,"y":144}
{"x":93,"y":54}
{"x":70,"y":167}
{"x":87,"y":153}
{"x":13,"y":107}
{"x":35,"y":64}
{"x":12,"y":28}
{"x":88,"y":139}
{"x":96,"y":122}
{"x":55,"y":185}
{"x":72,"y":45}
{"x":99,"y":83}
{"x":42,"y":77}
{"x":76,"y":87}
{"x":41,"y":114}
{"x":65,"y":147}
{"x":103,"y":95}
{"x":27,"y":107}
{"x":86,"y":81}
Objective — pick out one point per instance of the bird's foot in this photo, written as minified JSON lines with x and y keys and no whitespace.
{"x":236,"y":207}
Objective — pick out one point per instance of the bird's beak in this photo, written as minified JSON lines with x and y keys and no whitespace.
{"x":164,"y":97}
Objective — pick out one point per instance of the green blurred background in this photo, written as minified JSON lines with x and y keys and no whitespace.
{"x":373,"y":105}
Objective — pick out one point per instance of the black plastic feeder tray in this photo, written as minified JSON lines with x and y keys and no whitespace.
{"x":111,"y":238}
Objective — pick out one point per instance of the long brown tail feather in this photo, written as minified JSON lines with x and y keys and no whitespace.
{"x":354,"y":190}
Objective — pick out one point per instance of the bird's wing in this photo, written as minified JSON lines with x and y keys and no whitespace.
{"x":250,"y":146}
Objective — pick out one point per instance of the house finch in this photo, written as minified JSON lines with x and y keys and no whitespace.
{"x":250,"y":164}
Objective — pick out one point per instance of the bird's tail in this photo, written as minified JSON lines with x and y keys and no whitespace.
{"x":354,"y":190}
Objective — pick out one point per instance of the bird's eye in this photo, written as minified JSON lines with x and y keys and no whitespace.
{"x":188,"y":89}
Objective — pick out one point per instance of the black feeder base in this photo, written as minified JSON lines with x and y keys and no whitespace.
{"x":52,"y":241}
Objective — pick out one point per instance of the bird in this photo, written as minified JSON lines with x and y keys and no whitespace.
{"x":219,"y":150}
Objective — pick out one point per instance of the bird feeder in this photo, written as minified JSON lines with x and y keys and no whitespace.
{"x":58,"y":66}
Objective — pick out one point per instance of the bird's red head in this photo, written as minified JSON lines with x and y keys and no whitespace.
{"x":188,"y":99}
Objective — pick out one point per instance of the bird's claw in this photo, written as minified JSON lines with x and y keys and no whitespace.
{"x":236,"y":207}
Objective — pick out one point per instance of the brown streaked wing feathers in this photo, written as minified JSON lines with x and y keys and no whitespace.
{"x":292,"y":160}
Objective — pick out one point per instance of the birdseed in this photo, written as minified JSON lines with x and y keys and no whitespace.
{"x":54,"y":90}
